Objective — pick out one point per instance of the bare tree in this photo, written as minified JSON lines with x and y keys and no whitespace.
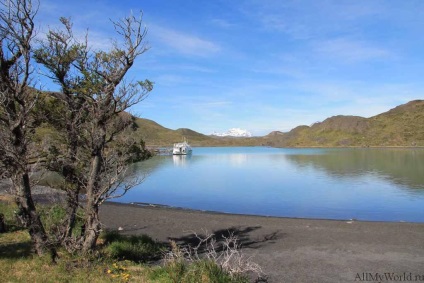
{"x":111,"y":96}
{"x":95,"y":97}
{"x":60,"y":53}
{"x":16,"y":103}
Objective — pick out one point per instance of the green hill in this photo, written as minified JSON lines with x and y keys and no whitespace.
{"x":401,"y":126}
{"x":156,"y":135}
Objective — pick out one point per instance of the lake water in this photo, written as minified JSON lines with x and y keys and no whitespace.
{"x":363,"y":184}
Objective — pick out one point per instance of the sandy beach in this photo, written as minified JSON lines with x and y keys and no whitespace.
{"x":291,"y":250}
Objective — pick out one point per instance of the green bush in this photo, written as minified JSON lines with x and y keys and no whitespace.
{"x":111,"y":236}
{"x":52,"y":216}
{"x":8,"y":209}
{"x":134,"y":248}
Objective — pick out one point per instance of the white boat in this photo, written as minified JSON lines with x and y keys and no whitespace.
{"x":182,"y":148}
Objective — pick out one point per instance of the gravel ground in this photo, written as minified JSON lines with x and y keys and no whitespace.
{"x":289,"y":250}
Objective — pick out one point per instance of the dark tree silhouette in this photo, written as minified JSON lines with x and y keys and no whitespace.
{"x":94,"y":97}
{"x":16,"y":103}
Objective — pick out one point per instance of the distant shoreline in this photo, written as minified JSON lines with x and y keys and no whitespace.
{"x":176,"y":208}
{"x":150,"y":147}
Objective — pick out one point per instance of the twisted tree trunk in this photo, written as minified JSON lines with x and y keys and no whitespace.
{"x":92,"y":227}
{"x":28,"y":215}
{"x":92,"y":223}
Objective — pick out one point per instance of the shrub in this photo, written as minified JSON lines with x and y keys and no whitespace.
{"x":52,"y":216}
{"x":8,"y":209}
{"x":111,"y":236}
{"x":134,"y":248}
{"x":209,"y":261}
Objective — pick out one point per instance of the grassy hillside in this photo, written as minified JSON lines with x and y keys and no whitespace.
{"x":401,"y":126}
{"x":156,"y":135}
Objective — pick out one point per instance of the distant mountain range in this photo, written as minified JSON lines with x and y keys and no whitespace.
{"x":234,"y":132}
{"x":156,"y":135}
{"x":400,"y":126}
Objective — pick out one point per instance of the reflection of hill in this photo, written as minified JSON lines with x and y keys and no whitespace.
{"x":147,"y":167}
{"x":402,"y":166}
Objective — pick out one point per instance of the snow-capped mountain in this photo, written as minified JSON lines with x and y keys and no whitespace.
{"x":234,"y":132}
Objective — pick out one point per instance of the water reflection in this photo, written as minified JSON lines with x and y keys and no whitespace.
{"x":181,"y":160}
{"x":400,"y":166}
{"x":367,"y":184}
{"x":238,"y":159}
{"x":148,"y":167}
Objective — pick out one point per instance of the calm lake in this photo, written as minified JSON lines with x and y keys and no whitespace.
{"x":363,"y":184}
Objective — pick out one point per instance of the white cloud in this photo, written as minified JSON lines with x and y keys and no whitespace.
{"x":184,"y":43}
{"x":311,"y":19}
{"x":221,"y":23}
{"x":181,"y":68}
{"x":351,"y":50}
{"x":204,"y":103}
{"x":170,"y":79}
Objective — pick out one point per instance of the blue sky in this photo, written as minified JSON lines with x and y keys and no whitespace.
{"x":264,"y":65}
